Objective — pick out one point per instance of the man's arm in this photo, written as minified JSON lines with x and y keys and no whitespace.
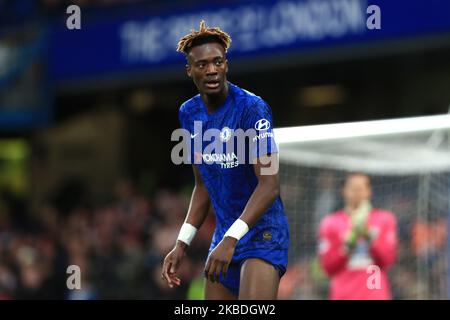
{"x":200,"y":202}
{"x":265,"y":193}
{"x":266,"y":165}
{"x":332,"y":255}
{"x":197,"y":212}
{"x":267,"y":190}
{"x":384,"y":245}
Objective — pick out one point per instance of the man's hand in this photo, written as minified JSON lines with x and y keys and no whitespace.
{"x":359,"y":225}
{"x":171,"y":264}
{"x":219,"y":259}
{"x":354,"y":235}
{"x":360,"y":215}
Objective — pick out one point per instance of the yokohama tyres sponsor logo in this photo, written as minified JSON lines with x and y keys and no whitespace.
{"x":219,"y":157}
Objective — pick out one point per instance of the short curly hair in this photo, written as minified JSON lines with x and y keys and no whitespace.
{"x":203,"y":35}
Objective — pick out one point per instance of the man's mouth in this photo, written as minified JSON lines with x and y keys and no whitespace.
{"x":212,"y":84}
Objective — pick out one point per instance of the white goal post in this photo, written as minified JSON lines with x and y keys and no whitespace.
{"x":372,"y":146}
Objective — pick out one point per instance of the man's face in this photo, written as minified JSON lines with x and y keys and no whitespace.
{"x":356,"y":190}
{"x":208,"y":67}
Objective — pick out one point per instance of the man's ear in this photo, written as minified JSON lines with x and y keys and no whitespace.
{"x":226,"y":66}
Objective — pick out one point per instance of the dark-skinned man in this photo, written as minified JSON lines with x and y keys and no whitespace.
{"x":249,"y":250}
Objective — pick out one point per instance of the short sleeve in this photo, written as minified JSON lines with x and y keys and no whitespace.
{"x":258,"y":119}
{"x":188,"y":146}
{"x":182,"y":118}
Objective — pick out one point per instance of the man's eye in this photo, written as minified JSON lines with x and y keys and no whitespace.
{"x":218,"y":62}
{"x":201,"y":65}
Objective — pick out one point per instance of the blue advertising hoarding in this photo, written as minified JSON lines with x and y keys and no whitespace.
{"x":25,"y":94}
{"x":147,"y":40}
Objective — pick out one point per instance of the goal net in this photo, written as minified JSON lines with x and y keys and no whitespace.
{"x":408,"y":161}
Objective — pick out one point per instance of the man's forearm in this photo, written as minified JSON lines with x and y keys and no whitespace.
{"x":198,"y":207}
{"x":197,"y":212}
{"x":262,"y":198}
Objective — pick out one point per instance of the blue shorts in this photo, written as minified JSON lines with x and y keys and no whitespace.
{"x":277,"y":258}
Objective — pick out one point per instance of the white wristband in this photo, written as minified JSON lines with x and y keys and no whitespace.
{"x":187,"y":233}
{"x":237,"y":230}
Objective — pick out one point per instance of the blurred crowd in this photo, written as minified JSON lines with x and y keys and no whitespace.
{"x":119,"y":244}
{"x":119,"y":247}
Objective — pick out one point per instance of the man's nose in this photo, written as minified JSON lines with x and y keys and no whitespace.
{"x":211,"y":69}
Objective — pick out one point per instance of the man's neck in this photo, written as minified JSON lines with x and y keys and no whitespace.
{"x":213,"y":102}
{"x":350,"y":209}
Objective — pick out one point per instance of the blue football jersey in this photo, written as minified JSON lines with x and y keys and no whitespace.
{"x":227,"y":171}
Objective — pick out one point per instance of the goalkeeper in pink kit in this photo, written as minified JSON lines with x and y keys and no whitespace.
{"x":358,"y":244}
